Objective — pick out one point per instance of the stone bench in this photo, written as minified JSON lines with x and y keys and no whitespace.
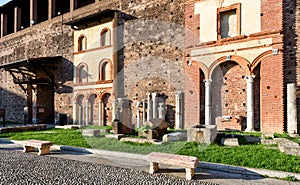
{"x":42,"y":146}
{"x":187,"y":162}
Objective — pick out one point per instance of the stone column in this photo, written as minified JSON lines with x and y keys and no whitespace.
{"x":80,"y":115}
{"x":144,"y":111}
{"x":154,"y":101}
{"x":72,"y":5}
{"x":179,"y":110}
{"x":161,"y":111}
{"x":149,"y":110}
{"x":250,"y":108}
{"x":75,"y":112}
{"x":50,"y":8}
{"x":100,"y":105}
{"x":291,"y":108}
{"x":33,"y":12}
{"x":17,"y":19}
{"x":207,"y":101}
{"x":138,"y":115}
{"x":3,"y":24}
{"x":114,"y":110}
{"x":86,"y":112}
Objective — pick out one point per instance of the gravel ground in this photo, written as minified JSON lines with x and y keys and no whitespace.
{"x":27,"y":168}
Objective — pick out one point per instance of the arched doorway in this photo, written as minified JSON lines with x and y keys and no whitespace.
{"x":107,"y":109}
{"x":80,"y":110}
{"x":228,"y":91}
{"x":93,"y":110}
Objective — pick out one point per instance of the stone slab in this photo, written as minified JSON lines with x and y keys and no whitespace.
{"x":175,"y":136}
{"x":68,"y":126}
{"x":114,"y":136}
{"x":230,"y":141}
{"x":91,"y":132}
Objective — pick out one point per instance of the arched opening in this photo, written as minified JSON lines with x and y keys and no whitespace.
{"x":107,"y":109}
{"x":93,"y":110}
{"x":82,"y":43}
{"x":105,"y":71}
{"x":82,"y":74}
{"x":229,"y":96}
{"x":80,"y":110}
{"x":105,"y":37}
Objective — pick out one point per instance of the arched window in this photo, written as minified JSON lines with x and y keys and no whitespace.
{"x":82,"y":41}
{"x":105,"y":37}
{"x":105,"y":71}
{"x":82,"y":73}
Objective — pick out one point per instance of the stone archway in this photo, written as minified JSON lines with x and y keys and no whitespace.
{"x":228,"y":92}
{"x":93,"y":110}
{"x":80,"y":110}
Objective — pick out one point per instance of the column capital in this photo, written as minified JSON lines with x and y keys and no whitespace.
{"x":148,"y":94}
{"x":249,"y":79}
{"x":138,"y":104}
{"x":178,"y":93}
{"x":154,"y":94}
{"x":207,"y":80}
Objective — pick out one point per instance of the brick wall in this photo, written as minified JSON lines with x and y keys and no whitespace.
{"x":272,"y":107}
{"x":271,"y":15}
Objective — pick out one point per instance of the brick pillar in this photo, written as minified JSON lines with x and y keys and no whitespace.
{"x":250,"y":108}
{"x":207,"y":102}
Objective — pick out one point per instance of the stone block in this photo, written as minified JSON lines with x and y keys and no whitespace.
{"x":230,"y":141}
{"x":91,"y":132}
{"x":202,"y":134}
{"x":119,"y":128}
{"x":268,"y":141}
{"x":175,"y":136}
{"x":104,"y":130}
{"x":114,"y":136}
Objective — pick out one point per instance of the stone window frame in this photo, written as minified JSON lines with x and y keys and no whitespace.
{"x":78,"y":72}
{"x":101,"y":66}
{"x":102,"y":40}
{"x":82,"y":38}
{"x":237,"y":8}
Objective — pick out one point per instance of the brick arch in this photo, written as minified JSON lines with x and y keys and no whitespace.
{"x":101,"y":65}
{"x":78,"y":71}
{"x":78,"y":95}
{"x":260,"y":57}
{"x":82,"y":43}
{"x":244,"y":63}
{"x":103,"y":31}
{"x":201,"y":66}
{"x":101,"y":95}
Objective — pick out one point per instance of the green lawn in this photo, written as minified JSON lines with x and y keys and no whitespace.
{"x":255,"y":156}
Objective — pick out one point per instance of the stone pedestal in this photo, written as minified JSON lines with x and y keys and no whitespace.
{"x":202,"y":134}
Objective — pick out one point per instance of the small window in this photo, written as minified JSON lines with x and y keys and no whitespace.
{"x":105,"y":71}
{"x":82,"y":73}
{"x":82,"y":41}
{"x":229,"y":21}
{"x":105,"y":37}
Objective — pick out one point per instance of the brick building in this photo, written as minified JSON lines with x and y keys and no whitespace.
{"x":224,"y":62}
